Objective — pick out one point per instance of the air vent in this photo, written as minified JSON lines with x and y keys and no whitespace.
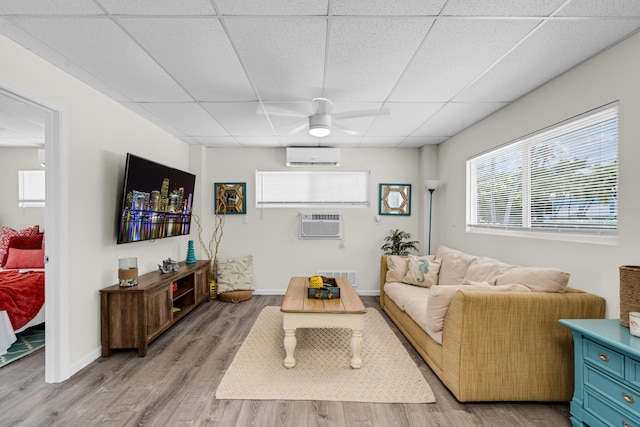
{"x":352,"y":275}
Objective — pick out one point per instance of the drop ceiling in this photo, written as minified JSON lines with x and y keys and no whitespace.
{"x":240,"y":73}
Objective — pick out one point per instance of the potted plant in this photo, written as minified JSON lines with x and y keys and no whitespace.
{"x":399,"y":243}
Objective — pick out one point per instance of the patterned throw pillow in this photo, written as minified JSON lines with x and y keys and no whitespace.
{"x":6,"y":233}
{"x":235,"y":274}
{"x":423,"y":271}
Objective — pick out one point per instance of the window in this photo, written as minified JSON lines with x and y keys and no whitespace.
{"x":563,"y":178}
{"x":31,"y":189}
{"x":290,"y":189}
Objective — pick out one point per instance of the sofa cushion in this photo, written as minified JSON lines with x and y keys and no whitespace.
{"x":537,"y":279}
{"x":485,"y":269}
{"x":453,"y":265}
{"x":396,"y":268}
{"x":423,"y":271}
{"x":440,"y":298}
{"x":403,"y":295}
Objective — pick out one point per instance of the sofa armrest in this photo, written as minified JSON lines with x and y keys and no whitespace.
{"x":383,"y":278}
{"x":499,"y":344}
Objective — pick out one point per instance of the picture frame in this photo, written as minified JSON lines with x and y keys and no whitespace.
{"x":230,"y":198}
{"x":395,"y":199}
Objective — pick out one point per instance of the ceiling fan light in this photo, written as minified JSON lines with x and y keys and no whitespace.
{"x":319,"y":130}
{"x":320,"y":125}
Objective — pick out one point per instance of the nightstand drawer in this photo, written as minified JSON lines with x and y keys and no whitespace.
{"x":625,"y":396}
{"x":599,"y":412}
{"x":605,"y":358}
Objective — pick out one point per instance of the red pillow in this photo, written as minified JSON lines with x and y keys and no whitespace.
{"x":6,"y":233}
{"x":25,"y":258}
{"x":23,"y":242}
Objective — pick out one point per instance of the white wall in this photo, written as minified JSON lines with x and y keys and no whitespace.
{"x":100,"y":133}
{"x":610,"y":76}
{"x":271,"y":235}
{"x":11,"y":161}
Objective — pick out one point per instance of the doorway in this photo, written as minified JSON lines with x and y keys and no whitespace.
{"x":56,"y":226}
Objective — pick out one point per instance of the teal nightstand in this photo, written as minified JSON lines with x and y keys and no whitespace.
{"x":607,"y":374}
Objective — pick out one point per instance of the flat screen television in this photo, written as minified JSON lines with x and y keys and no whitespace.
{"x":156,"y":201}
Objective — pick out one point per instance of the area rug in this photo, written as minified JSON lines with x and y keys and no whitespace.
{"x":27,"y":342}
{"x":323,"y":370}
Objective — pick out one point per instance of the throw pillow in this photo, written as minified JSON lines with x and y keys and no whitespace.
{"x":397,"y":267}
{"x":485,"y":269}
{"x":6,"y":233}
{"x":25,"y":258}
{"x":453,"y":265}
{"x":536,"y":278}
{"x":422,"y":271}
{"x":235,"y":274}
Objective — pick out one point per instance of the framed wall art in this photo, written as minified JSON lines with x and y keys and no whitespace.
{"x":395,"y":199}
{"x":230,"y":197}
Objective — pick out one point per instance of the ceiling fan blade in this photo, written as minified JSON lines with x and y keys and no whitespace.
{"x":294,"y":130}
{"x":361,"y":113}
{"x":345,"y":129}
{"x":282,"y":111}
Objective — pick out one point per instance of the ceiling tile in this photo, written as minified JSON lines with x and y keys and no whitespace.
{"x":454,"y":54}
{"x":419,"y":141}
{"x":48,"y":7}
{"x":188,"y":118}
{"x":159,"y":7}
{"x":258,"y":141}
{"x":217,"y":141}
{"x":601,"y":8}
{"x":367,"y":56}
{"x":239,"y":118}
{"x":455,"y":117}
{"x":403,"y":118}
{"x":273,"y":7}
{"x":501,"y":7}
{"x":104,"y":50}
{"x":386,"y":7}
{"x":554,"y":48}
{"x":272,"y":48}
{"x":380,"y":142}
{"x":197,"y":53}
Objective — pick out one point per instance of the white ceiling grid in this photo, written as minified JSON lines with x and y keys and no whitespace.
{"x":243,"y":73}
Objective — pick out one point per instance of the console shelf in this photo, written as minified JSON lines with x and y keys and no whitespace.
{"x":132,"y":317}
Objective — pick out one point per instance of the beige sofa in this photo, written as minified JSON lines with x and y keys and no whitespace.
{"x":493,"y":345}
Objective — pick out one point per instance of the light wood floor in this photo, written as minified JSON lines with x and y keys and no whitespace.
{"x":176,"y":383}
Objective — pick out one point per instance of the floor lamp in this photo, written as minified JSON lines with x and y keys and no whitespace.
{"x":431,"y":185}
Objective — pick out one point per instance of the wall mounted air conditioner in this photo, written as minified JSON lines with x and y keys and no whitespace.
{"x":313,"y":156}
{"x":320,"y":225}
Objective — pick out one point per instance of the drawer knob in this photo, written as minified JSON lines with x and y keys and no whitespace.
{"x":625,"y":424}
{"x":628,"y":398}
{"x":603,"y":357}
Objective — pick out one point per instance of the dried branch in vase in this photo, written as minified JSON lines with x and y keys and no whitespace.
{"x":210,"y":249}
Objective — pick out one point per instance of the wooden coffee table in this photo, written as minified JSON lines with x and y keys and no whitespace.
{"x":299,"y":311}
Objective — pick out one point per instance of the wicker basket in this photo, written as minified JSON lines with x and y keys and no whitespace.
{"x":235,"y":296}
{"x":629,"y":292}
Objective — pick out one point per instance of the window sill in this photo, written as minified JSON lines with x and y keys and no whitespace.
{"x":595,"y":239}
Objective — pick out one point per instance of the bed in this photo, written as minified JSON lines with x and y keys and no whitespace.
{"x":21,"y":303}
{"x":21,"y":282}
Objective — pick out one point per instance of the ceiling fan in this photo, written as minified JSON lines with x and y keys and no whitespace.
{"x":321,"y":122}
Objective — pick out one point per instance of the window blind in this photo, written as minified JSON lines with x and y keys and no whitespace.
{"x":312,"y":188}
{"x":31,"y":189}
{"x":564,"y":178}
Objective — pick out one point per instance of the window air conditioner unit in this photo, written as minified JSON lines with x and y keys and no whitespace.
{"x":313,"y":157}
{"x":320,"y":225}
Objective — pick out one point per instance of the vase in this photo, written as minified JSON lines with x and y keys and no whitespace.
{"x":191,"y":256}
{"x":629,"y":292}
{"x":213,"y":289}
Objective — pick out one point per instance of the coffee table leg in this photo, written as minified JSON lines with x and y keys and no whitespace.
{"x":356,"y":345}
{"x":289,"y":347}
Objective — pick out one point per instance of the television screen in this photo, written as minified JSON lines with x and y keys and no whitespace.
{"x":156,"y":201}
